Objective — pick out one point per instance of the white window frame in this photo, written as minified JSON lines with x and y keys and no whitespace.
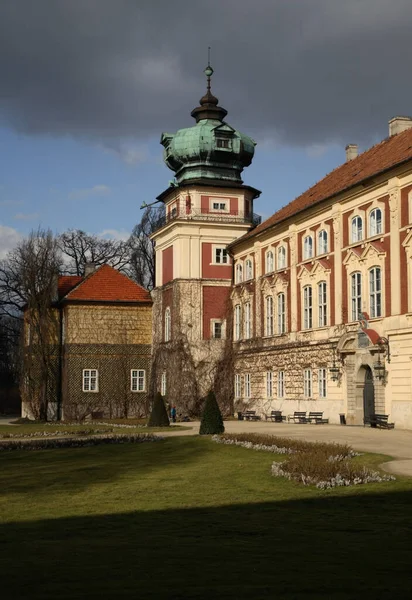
{"x":356,"y":229}
{"x":137,"y":380}
{"x":322,"y":304}
{"x":247,"y":386}
{"x":213,"y":323}
{"x":323,"y":247}
{"x":375,"y":222}
{"x":307,"y":307}
{"x":269,"y":315}
{"x":247,"y":320}
{"x":356,"y":294}
{"x":220,"y":255}
{"x":90,"y":380}
{"x":281,"y":313}
{"x":269,"y":384}
{"x":168,"y":324}
{"x":281,"y":384}
{"x":375,"y":292}
{"x":238,"y":322}
{"x":239,"y":272}
{"x":322,"y":382}
{"x":307,"y":247}
{"x":248,"y":269}
{"x":238,"y":386}
{"x":307,"y":383}
{"x":281,"y":258}
{"x":163,"y":383}
{"x":222,"y":203}
{"x":269,"y":262}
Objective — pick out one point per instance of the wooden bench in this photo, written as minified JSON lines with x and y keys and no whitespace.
{"x":317,"y":418}
{"x":298,"y":417}
{"x":250,"y":415}
{"x":275,"y":416}
{"x":377,"y":420}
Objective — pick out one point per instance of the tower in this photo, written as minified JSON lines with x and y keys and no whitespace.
{"x":205,"y":208}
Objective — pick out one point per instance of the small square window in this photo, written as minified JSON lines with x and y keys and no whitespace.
{"x":138,"y":380}
{"x":90,"y":380}
{"x":223,"y":143}
{"x":221,"y":256}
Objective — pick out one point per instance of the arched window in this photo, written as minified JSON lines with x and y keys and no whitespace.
{"x":322,"y":304}
{"x":248,"y":270}
{"x":307,"y":307}
{"x":269,"y":261}
{"x":375,"y":292}
{"x":239,"y":273}
{"x":356,"y":295}
{"x":375,"y":222}
{"x":281,"y":257}
{"x":269,"y":316}
{"x":281,"y":313}
{"x":323,"y":242}
{"x":248,"y":321}
{"x":238,"y":314}
{"x":167,"y":324}
{"x":357,"y":229}
{"x":307,"y":247}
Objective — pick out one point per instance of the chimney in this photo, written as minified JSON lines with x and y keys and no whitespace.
{"x":89,"y":268}
{"x":351,"y":151}
{"x":399,"y":124}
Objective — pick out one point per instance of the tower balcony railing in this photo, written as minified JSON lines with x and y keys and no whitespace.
{"x":186,"y":213}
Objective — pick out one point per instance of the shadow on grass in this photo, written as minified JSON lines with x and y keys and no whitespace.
{"x":76,"y":469}
{"x":328,"y":547}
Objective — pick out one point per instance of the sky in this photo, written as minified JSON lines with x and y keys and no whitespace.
{"x":88,"y":86}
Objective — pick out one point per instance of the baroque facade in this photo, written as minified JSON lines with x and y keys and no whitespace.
{"x":314,"y":305}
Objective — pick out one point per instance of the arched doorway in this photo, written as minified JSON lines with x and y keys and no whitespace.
{"x":368,"y":393}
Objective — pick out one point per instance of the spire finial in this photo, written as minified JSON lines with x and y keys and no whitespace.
{"x":208,"y":108}
{"x":208,"y":71}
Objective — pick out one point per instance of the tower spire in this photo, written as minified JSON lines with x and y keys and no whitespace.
{"x":209,"y":108}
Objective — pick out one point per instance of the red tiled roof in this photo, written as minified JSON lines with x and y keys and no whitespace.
{"x":387,"y":154}
{"x":107,"y":284}
{"x":67,"y":283}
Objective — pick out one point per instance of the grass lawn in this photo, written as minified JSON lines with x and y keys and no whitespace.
{"x":10,"y":431}
{"x":188,"y":518}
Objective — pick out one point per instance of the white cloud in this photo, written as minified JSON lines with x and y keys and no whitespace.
{"x":26,"y":216}
{"x":96,"y":190}
{"x":9,"y":238}
{"x":114,"y":234}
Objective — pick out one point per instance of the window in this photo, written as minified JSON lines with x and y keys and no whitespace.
{"x":221,"y":256}
{"x":269,"y":261}
{"x":238,"y":386}
{"x":322,"y":242}
{"x":322,"y":383}
{"x":167,"y":325}
{"x":375,"y":221}
{"x":217,"y":330}
{"x":163,"y":384}
{"x":357,"y":229}
{"x":307,"y":307}
{"x":281,"y":384}
{"x":281,"y":313}
{"x":307,"y":247}
{"x":219,"y":206}
{"x":248,"y":270}
{"x":90,"y":380}
{"x":237,"y":321}
{"x":322,"y":306}
{"x":375,"y":292}
{"x":247,"y":385}
{"x":248,"y":321}
{"x":223,"y":143}
{"x":269,"y":384}
{"x":281,"y":257}
{"x":138,"y":380}
{"x":269,"y":316}
{"x":356,"y":295}
{"x":239,"y":273}
{"x":307,"y":383}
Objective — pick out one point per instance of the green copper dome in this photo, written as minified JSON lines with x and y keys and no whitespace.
{"x":212,"y":149}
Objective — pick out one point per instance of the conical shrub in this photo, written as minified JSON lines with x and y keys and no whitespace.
{"x":158,"y":416}
{"x":212,"y":421}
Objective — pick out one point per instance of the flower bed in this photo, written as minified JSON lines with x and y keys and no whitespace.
{"x":312,"y":463}
{"x":75,"y":442}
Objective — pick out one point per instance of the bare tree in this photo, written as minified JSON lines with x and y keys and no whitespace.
{"x":142,"y":261}
{"x":80,"y":248}
{"x":28,"y":286}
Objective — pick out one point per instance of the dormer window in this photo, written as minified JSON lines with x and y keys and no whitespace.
{"x":224,"y":143}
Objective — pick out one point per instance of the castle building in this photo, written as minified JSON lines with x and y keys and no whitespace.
{"x":310,"y":310}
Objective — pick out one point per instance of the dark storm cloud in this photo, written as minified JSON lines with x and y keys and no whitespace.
{"x":301,"y":71}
